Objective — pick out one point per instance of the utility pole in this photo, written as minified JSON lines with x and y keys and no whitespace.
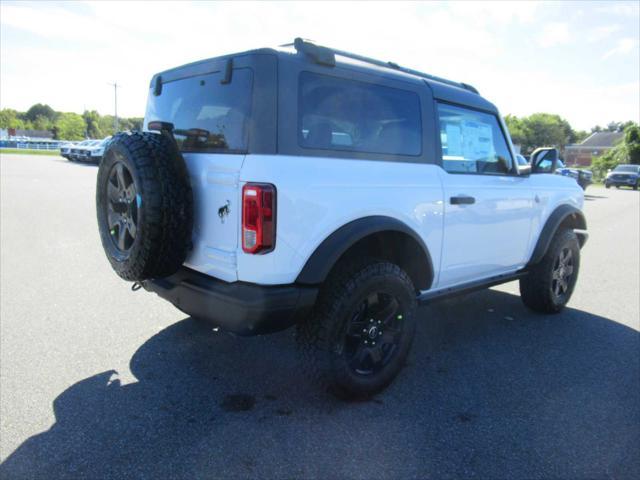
{"x":115,"y":96}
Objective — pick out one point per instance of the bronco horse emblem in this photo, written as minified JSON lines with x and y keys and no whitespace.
{"x":224,"y":211}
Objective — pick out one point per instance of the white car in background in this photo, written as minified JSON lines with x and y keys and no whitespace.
{"x":96,"y":150}
{"x":77,"y":151}
{"x":90,"y":151}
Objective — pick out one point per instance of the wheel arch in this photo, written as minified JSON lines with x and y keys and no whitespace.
{"x":378,"y":236}
{"x":564,"y":216}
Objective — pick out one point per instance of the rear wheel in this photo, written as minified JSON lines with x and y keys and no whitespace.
{"x":550,"y":283}
{"x":360,"y":333}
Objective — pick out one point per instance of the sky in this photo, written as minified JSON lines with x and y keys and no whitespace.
{"x":580,"y":60}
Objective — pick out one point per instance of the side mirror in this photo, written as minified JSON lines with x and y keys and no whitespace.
{"x":524,"y":169}
{"x":544,"y":160}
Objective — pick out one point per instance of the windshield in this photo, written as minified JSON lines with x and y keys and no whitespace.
{"x":627,"y":168}
{"x":208,"y":116}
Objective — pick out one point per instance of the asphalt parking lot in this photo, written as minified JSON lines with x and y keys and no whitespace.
{"x":97,"y":381}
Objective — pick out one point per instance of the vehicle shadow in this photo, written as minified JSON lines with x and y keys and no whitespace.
{"x":490,"y":391}
{"x":83,"y":164}
{"x":588,"y":196}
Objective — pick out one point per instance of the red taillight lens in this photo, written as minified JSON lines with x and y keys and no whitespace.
{"x":258,"y":217}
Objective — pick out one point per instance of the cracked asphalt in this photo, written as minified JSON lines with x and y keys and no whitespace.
{"x":99,"y":382}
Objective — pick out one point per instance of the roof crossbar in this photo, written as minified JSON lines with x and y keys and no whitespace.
{"x":326,"y":56}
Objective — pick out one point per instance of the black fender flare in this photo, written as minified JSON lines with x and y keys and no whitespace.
{"x":325,"y":256}
{"x":559,"y":215}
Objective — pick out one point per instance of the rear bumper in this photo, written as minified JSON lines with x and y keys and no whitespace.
{"x":241,"y":308}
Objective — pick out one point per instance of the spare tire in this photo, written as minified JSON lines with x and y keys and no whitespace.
{"x":144,"y":205}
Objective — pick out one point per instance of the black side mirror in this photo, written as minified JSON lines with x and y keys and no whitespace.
{"x":544,"y":160}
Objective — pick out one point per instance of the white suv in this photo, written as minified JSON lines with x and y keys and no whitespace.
{"x":310,"y":186}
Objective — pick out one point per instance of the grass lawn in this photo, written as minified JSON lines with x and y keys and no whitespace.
{"x":27,"y":151}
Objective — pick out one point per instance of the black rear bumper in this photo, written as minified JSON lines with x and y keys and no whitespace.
{"x":241,"y":308}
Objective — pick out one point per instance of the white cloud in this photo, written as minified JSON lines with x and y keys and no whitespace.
{"x":626,"y":9}
{"x":623,"y":47}
{"x":553,"y":34}
{"x":602,"y":32}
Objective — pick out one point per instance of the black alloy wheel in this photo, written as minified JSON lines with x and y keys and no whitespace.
{"x":562,"y":272}
{"x":122,"y":204}
{"x":373,"y":334}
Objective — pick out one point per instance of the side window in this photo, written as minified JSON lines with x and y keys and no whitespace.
{"x":346,"y":115}
{"x":472,"y":142}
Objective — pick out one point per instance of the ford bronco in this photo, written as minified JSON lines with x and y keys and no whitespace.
{"x":309,"y":186}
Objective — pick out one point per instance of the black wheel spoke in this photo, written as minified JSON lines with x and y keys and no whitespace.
{"x":388,"y":314}
{"x":131,"y":227}
{"x":120,"y":176}
{"x":390,"y":336}
{"x":376,"y":355}
{"x":360,"y":358}
{"x":112,"y":192}
{"x":121,"y":237}
{"x":114,"y":219}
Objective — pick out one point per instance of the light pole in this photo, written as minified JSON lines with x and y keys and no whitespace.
{"x":115,"y":96}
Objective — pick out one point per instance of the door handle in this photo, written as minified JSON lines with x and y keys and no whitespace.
{"x":462,"y":200}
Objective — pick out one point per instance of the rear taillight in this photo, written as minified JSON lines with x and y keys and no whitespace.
{"x":258,"y":217}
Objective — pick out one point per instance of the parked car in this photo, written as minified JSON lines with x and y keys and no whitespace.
{"x":624,"y":176}
{"x":582,"y":176}
{"x":78,"y":152}
{"x":95,"y":151}
{"x":339,"y":207}
{"x":65,"y":149}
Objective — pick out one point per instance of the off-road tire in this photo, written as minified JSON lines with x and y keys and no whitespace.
{"x":321,"y":338}
{"x":536,"y":289}
{"x":165,"y":205}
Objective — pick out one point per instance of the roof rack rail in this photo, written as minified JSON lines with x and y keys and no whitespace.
{"x":326,"y":56}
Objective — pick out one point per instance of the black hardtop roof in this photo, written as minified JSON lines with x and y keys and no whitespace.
{"x":442,"y":89}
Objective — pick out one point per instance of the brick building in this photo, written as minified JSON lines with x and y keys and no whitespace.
{"x":593,"y":146}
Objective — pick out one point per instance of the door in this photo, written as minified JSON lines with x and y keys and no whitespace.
{"x":488,"y":208}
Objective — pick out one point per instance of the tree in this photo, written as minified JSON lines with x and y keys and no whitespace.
{"x":40,"y":110}
{"x":540,"y":130}
{"x":41,"y":123}
{"x":10,"y":119}
{"x":70,"y":126}
{"x":92,"y":121}
{"x":632,"y":143}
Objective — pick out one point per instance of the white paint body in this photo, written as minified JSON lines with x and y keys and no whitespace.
{"x":317,"y":196}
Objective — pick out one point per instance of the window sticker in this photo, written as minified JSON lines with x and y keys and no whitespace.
{"x":453,"y":140}
{"x":477,"y":140}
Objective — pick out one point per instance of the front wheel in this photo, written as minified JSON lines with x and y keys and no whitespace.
{"x":549,"y":285}
{"x":357,"y":339}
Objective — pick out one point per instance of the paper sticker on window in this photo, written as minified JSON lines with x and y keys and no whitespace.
{"x":477,"y":140}
{"x":454,"y":140}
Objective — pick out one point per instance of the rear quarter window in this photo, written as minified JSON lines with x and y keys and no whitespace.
{"x":208,"y":116}
{"x":347,"y":115}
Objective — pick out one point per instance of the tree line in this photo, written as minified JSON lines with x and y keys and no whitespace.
{"x":548,"y":130}
{"x":66,"y":125}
